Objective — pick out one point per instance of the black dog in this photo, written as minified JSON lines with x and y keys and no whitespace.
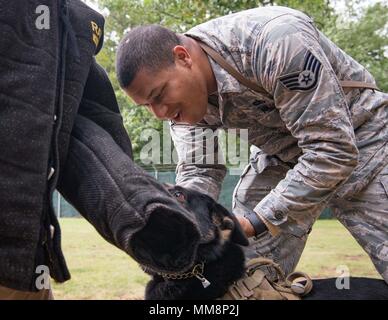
{"x":220,"y":260}
{"x":221,"y":255}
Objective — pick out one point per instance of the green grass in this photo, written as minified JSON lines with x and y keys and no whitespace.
{"x":101,"y":271}
{"x":329,"y":246}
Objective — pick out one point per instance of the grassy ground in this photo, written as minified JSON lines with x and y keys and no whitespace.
{"x":100,"y":271}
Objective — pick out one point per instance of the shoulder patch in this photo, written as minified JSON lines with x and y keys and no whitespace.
{"x":306,"y":79}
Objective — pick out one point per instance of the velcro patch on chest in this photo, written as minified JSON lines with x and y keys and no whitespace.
{"x":306,"y":79}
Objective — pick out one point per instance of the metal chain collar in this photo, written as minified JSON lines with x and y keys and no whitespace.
{"x":196,"y":271}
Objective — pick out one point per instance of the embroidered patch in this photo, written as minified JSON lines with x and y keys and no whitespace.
{"x":307,"y":78}
{"x":97,"y":32}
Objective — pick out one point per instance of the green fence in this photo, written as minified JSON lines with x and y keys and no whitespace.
{"x":64,"y":209}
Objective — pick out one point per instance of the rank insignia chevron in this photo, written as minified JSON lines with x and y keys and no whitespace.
{"x":307,"y":78}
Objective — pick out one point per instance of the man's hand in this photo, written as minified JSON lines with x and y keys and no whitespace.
{"x":250,"y":231}
{"x":246,"y":226}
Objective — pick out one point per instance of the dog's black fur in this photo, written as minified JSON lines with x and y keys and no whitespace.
{"x":224,"y":260}
{"x":222,"y":255}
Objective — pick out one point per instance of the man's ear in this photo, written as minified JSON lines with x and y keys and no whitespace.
{"x":182,"y":56}
{"x":229,"y":224}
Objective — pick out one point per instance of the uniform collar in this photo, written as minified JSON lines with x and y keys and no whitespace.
{"x":226,"y":85}
{"x":225,"y":82}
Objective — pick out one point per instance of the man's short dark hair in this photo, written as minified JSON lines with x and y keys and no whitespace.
{"x":148,"y":46}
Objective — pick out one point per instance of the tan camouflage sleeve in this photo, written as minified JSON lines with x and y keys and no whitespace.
{"x":293,"y":68}
{"x":200,"y":161}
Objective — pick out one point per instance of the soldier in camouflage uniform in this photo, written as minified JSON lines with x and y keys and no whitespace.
{"x":314,"y":144}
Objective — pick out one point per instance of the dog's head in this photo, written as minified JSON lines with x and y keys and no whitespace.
{"x":216,"y":224}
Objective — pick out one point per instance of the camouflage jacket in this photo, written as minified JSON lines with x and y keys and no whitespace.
{"x":335,"y":139}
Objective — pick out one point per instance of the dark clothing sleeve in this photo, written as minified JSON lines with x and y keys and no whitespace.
{"x":99,"y":104}
{"x":128,"y":207}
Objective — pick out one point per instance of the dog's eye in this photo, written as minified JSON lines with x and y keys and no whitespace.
{"x":179,"y":195}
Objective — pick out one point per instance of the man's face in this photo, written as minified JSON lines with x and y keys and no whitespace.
{"x":177,"y":92}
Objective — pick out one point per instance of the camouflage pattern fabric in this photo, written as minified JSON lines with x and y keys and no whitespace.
{"x":365,"y":215}
{"x":330,"y":143}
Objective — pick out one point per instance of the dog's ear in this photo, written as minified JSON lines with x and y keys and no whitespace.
{"x":229,"y":225}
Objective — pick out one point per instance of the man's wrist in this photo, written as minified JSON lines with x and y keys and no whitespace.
{"x":257,"y":223}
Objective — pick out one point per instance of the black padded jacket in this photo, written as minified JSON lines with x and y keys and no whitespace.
{"x":60,"y":127}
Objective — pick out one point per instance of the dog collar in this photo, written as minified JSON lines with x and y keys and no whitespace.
{"x":196,"y":271}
